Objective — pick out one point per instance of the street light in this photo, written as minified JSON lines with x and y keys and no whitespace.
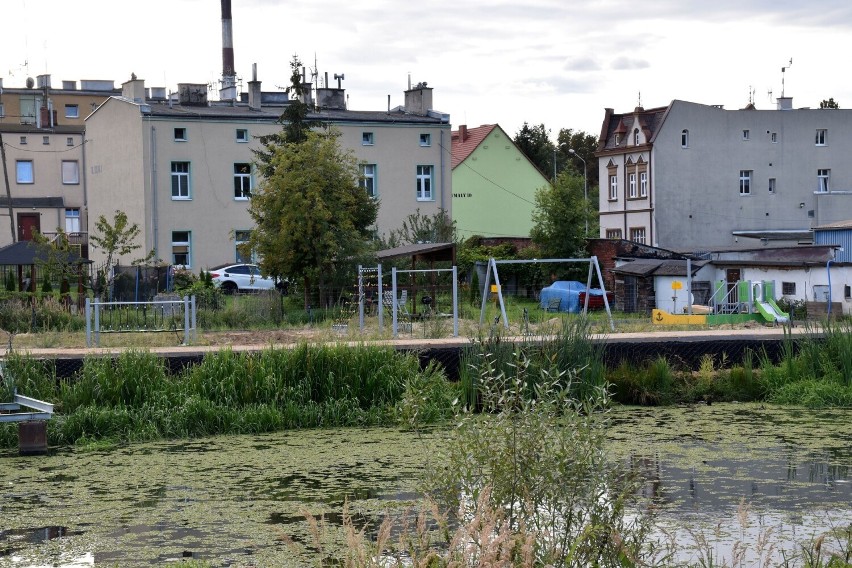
{"x":585,"y":188}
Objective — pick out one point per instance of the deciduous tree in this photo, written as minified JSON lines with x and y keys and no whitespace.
{"x":559,"y":218}
{"x":310,"y":211}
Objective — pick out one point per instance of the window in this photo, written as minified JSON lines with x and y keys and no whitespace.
{"x":617,"y":138}
{"x":636,"y":137}
{"x":241,"y":239}
{"x":613,"y":233}
{"x":2,"y":110}
{"x":746,"y":134}
{"x":637,"y":235}
{"x":180,"y":180}
{"x":28,"y":109}
{"x":23,"y":140}
{"x":775,"y":138}
{"x":24,"y":171}
{"x":745,"y":182}
{"x":822,"y":180}
{"x":70,"y":172}
{"x":788,"y":288}
{"x":684,"y":138}
{"x":69,"y":141}
{"x":771,"y":185}
{"x":368,"y":179}
{"x":821,"y":134}
{"x":181,"y":248}
{"x":643,"y":184}
{"x":424,"y":183}
{"x":72,"y":111}
{"x":613,"y":187}
{"x":180,"y":134}
{"x":242,"y":135}
{"x":242,"y":181}
{"x":631,"y":183}
{"x":425,"y":140}
{"x":45,"y":140}
{"x":72,"y":220}
{"x":367,"y":138}
{"x":847,"y":292}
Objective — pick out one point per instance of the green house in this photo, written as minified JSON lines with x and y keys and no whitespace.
{"x":494,"y":184}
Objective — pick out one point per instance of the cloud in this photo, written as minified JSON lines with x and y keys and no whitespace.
{"x":626,"y":63}
{"x":582,"y":64}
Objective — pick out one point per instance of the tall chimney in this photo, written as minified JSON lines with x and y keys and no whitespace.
{"x":228,"y":92}
{"x":254,"y":95}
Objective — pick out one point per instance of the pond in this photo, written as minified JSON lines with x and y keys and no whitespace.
{"x":716,"y":476}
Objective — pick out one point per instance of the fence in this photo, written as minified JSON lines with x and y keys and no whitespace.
{"x":164,"y":315}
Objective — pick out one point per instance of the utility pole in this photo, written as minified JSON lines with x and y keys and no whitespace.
{"x":8,"y":191}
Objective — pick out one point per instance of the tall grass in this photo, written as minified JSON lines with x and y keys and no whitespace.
{"x":133,"y":397}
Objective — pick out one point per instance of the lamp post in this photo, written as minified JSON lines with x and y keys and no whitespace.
{"x":585,"y":188}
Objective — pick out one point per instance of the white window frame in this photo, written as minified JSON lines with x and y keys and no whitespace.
{"x":70,"y":172}
{"x":821,"y":137}
{"x":368,"y":179}
{"x":684,"y":138}
{"x":746,"y":134}
{"x":745,"y":182}
{"x":25,"y":172}
{"x":425,"y":139}
{"x":242,"y":135}
{"x":242,"y":182}
{"x":181,"y":134}
{"x":23,"y":141}
{"x":367,"y":139}
{"x":823,"y":181}
{"x":424,"y":182}
{"x":772,"y":185}
{"x":636,"y":137}
{"x":72,"y":220}
{"x":180,"y":182}
{"x":241,"y":237}
{"x":637,"y":235}
{"x":72,"y":111}
{"x":775,"y":138}
{"x":613,"y":187}
{"x":45,"y":140}
{"x":178,"y":243}
{"x":631,"y":184}
{"x":643,"y":184}
{"x":613,"y":233}
{"x":69,"y":141}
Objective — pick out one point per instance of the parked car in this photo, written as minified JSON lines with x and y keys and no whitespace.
{"x":233,"y":278}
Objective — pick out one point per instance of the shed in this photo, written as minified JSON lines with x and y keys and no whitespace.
{"x":26,"y":255}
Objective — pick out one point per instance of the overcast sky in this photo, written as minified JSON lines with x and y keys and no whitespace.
{"x":539,"y":61}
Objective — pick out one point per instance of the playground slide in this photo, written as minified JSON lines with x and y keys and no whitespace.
{"x":770,"y":312}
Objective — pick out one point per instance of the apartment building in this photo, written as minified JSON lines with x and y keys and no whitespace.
{"x":42,"y":135}
{"x":692,"y":177}
{"x":181,"y":166}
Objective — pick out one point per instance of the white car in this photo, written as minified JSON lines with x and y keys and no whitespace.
{"x":233,"y":278}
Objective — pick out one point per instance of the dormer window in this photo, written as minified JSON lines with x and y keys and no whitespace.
{"x":636,"y":137}
{"x":684,"y":138}
{"x":617,"y":138}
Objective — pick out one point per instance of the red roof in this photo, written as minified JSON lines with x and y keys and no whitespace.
{"x":465,"y":140}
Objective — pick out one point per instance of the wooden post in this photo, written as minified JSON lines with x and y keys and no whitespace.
{"x":32,"y":438}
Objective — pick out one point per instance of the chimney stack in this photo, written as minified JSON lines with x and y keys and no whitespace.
{"x":462,"y":132}
{"x":254,"y":95}
{"x":228,"y":92}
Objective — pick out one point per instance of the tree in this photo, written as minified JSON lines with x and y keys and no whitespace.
{"x":584,"y":145}
{"x":534,"y":142}
{"x":116,"y":240}
{"x":310,"y":211}
{"x":294,"y":119}
{"x":559,"y":218}
{"x":830,"y":103}
{"x":420,"y":228}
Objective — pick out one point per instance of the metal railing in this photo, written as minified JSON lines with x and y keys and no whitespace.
{"x":154,"y":316}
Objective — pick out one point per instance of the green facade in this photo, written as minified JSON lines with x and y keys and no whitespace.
{"x":494,"y":189}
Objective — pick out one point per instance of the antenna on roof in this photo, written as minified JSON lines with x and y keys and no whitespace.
{"x":640,"y":99}
{"x":750,"y":95}
{"x":783,"y":70}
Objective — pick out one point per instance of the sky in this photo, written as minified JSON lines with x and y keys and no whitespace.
{"x":551,"y":62}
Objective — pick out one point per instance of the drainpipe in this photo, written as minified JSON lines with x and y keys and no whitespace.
{"x":828,"y":271}
{"x":85,"y":184}
{"x":154,"y":219}
{"x":442,"y":167}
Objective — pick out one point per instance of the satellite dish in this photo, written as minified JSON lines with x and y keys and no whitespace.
{"x":30,"y":83}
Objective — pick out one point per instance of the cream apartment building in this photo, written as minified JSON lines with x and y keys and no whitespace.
{"x":181,"y":167}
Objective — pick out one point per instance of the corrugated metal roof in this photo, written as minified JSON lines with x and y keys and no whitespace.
{"x":652,"y":267}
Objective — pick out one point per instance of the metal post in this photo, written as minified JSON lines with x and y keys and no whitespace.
{"x":455,"y":302}
{"x":186,"y":320}
{"x":88,"y":322}
{"x":194,"y":319}
{"x":97,"y":322}
{"x":393,"y":301}
{"x":381,"y":306}
{"x":360,"y":298}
